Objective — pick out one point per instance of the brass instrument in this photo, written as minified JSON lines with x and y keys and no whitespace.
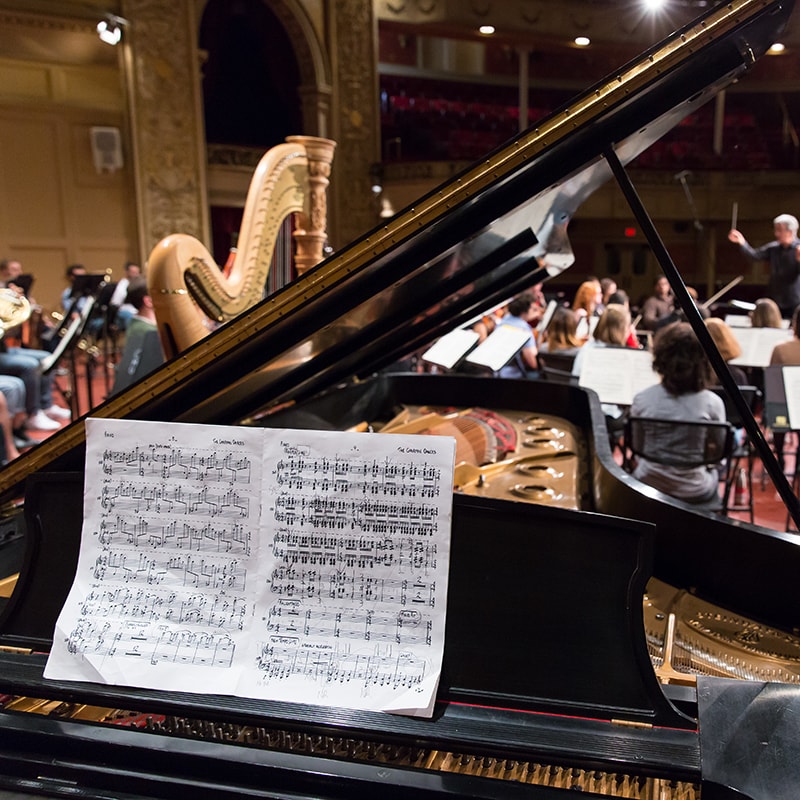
{"x":14,"y":309}
{"x":192,"y":296}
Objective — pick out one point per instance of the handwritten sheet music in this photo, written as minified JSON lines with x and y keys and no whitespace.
{"x":285,"y":565}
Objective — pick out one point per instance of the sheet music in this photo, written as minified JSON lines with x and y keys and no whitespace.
{"x":547,"y":316}
{"x":586,"y":326}
{"x":791,"y":380}
{"x":757,"y":344}
{"x":446,"y":351}
{"x":617,"y":374}
{"x":499,"y":347}
{"x":301,"y":566}
{"x":738,"y":321}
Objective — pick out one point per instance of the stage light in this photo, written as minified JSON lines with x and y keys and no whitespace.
{"x":582,"y":41}
{"x":109,"y":29}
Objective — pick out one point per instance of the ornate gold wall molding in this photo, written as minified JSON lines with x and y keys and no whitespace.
{"x":352,"y":44}
{"x":162,"y":66}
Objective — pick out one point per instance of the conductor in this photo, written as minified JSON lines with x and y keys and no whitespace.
{"x":783,"y":257}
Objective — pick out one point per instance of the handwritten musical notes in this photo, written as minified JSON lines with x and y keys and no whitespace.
{"x":285,"y":565}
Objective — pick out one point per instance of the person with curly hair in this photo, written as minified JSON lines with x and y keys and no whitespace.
{"x":682,"y":395}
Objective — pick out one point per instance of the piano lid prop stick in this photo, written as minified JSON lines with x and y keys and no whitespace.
{"x":734,"y":215}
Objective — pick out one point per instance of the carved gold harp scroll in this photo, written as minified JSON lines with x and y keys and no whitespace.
{"x":191,"y":295}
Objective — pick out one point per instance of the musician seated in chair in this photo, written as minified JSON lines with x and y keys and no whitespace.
{"x":142,"y":352}
{"x":682,"y":395}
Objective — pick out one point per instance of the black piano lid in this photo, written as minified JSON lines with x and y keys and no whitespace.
{"x":467,"y":244}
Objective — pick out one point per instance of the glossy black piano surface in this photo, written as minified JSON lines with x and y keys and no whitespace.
{"x":557,"y":598}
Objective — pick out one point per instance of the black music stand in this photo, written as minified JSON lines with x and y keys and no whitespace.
{"x":24,"y":282}
{"x":101,"y":327}
{"x":87,"y":285}
{"x":83,"y":298}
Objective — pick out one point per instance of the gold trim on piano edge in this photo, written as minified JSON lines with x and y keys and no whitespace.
{"x":490,"y":170}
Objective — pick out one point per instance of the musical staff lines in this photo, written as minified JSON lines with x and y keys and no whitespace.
{"x":406,"y":626}
{"x":394,"y":670}
{"x":167,"y":646}
{"x":174,"y":499}
{"x":339,"y":585}
{"x":176,"y":464}
{"x":154,"y":533}
{"x":370,"y":516}
{"x":345,"y":475}
{"x":178,"y":570}
{"x":363,"y":553}
{"x":142,"y":605}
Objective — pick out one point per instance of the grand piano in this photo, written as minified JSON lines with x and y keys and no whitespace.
{"x":548,"y":689}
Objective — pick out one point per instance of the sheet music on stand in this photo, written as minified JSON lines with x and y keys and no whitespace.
{"x":300,"y":566}
{"x":547,"y":316}
{"x":782,"y":397}
{"x":586,"y":326}
{"x":738,"y":321}
{"x":757,"y":344}
{"x":448,"y":350}
{"x":617,"y":374}
{"x":499,"y":347}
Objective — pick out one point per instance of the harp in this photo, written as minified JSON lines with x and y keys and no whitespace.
{"x":192,"y":296}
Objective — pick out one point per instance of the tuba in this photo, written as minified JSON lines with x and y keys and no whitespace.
{"x":192,"y":295}
{"x":14,"y":309}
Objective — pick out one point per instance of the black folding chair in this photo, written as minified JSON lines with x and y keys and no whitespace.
{"x":679,"y":443}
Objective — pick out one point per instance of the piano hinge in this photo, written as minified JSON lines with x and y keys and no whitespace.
{"x":631,"y":723}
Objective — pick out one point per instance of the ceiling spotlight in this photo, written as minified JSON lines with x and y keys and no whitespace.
{"x":486,"y":30}
{"x":110,"y":28}
{"x":653,"y":5}
{"x":776,"y":48}
{"x":582,"y":41}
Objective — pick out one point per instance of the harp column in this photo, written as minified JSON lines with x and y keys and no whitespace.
{"x":311,"y":233}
